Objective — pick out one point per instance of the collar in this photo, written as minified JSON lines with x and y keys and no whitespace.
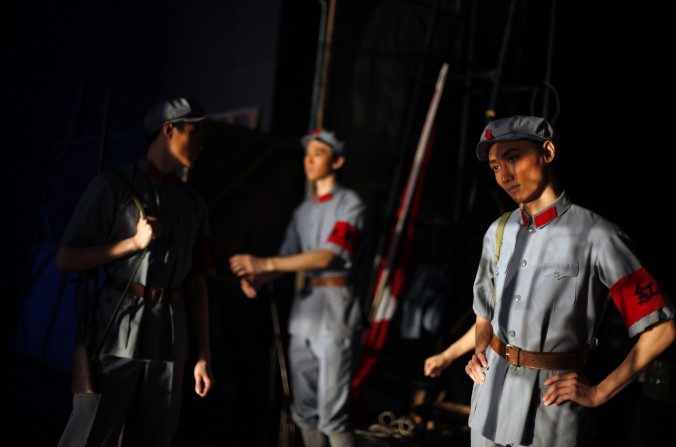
{"x":158,"y":175}
{"x":547,"y":215}
{"x":324,"y":198}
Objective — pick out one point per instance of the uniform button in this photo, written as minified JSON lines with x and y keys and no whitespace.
{"x":517,"y":297}
{"x":557,"y":273}
{"x":522,"y":263}
{"x":512,"y":333}
{"x":531,"y":229}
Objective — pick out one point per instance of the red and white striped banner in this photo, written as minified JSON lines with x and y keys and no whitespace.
{"x":391,"y":263}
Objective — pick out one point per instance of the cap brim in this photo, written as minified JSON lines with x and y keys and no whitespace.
{"x":191,"y":120}
{"x":483,"y":147}
{"x":200,"y":119}
{"x":482,"y":150}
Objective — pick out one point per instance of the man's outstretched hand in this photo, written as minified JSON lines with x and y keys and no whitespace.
{"x":247,"y":265}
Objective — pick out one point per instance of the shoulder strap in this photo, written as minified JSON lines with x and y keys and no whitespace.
{"x":499,"y":231}
{"x":132,"y":193}
{"x":138,"y":204}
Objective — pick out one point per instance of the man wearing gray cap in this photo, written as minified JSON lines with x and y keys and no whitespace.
{"x":544,"y":280}
{"x":149,"y":231}
{"x":321,"y":239}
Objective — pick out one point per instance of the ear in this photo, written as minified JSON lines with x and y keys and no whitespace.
{"x":338,"y":162}
{"x":167,"y":129}
{"x":549,"y":151}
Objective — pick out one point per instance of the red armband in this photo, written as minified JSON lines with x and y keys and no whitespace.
{"x":346,"y":236}
{"x":637,"y":295}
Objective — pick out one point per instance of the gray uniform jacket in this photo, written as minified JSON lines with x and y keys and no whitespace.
{"x":105,"y":213}
{"x":556,"y":274}
{"x":332,"y":222}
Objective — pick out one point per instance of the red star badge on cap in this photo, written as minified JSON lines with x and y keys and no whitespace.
{"x":488,"y":135}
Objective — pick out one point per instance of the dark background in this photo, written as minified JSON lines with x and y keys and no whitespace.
{"x":78,"y":74}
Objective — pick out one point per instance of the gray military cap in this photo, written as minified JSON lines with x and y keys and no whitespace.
{"x":173,"y":110}
{"x":326,"y":137}
{"x":513,"y":128}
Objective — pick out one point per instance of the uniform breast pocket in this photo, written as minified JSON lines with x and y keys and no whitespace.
{"x":556,"y":285}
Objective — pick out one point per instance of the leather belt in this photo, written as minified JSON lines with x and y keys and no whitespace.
{"x":539,"y":360}
{"x":154,"y":294}
{"x":327,"y":281}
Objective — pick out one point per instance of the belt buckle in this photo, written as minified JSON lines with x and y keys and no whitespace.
{"x":513,"y":354}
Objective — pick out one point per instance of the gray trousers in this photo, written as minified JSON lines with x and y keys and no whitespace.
{"x":321,"y":371}
{"x":142,"y":397}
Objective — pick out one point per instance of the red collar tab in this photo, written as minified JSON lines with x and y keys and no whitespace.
{"x":324,"y":198}
{"x":158,"y":175}
{"x":488,"y":135}
{"x":540,"y":219}
{"x":558,"y":208}
{"x":546,"y":216}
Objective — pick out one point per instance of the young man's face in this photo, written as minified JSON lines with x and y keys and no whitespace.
{"x":319,"y":161}
{"x":185,"y":144}
{"x":520,"y":168}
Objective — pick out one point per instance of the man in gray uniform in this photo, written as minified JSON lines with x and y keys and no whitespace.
{"x":321,"y":239}
{"x":158,"y":255}
{"x":539,"y":299}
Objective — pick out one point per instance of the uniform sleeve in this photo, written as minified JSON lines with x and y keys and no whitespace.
{"x":633,"y":289}
{"x":202,"y":260}
{"x":484,"y":283}
{"x":291,"y":243}
{"x":94,"y":214}
{"x":345,"y":237}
